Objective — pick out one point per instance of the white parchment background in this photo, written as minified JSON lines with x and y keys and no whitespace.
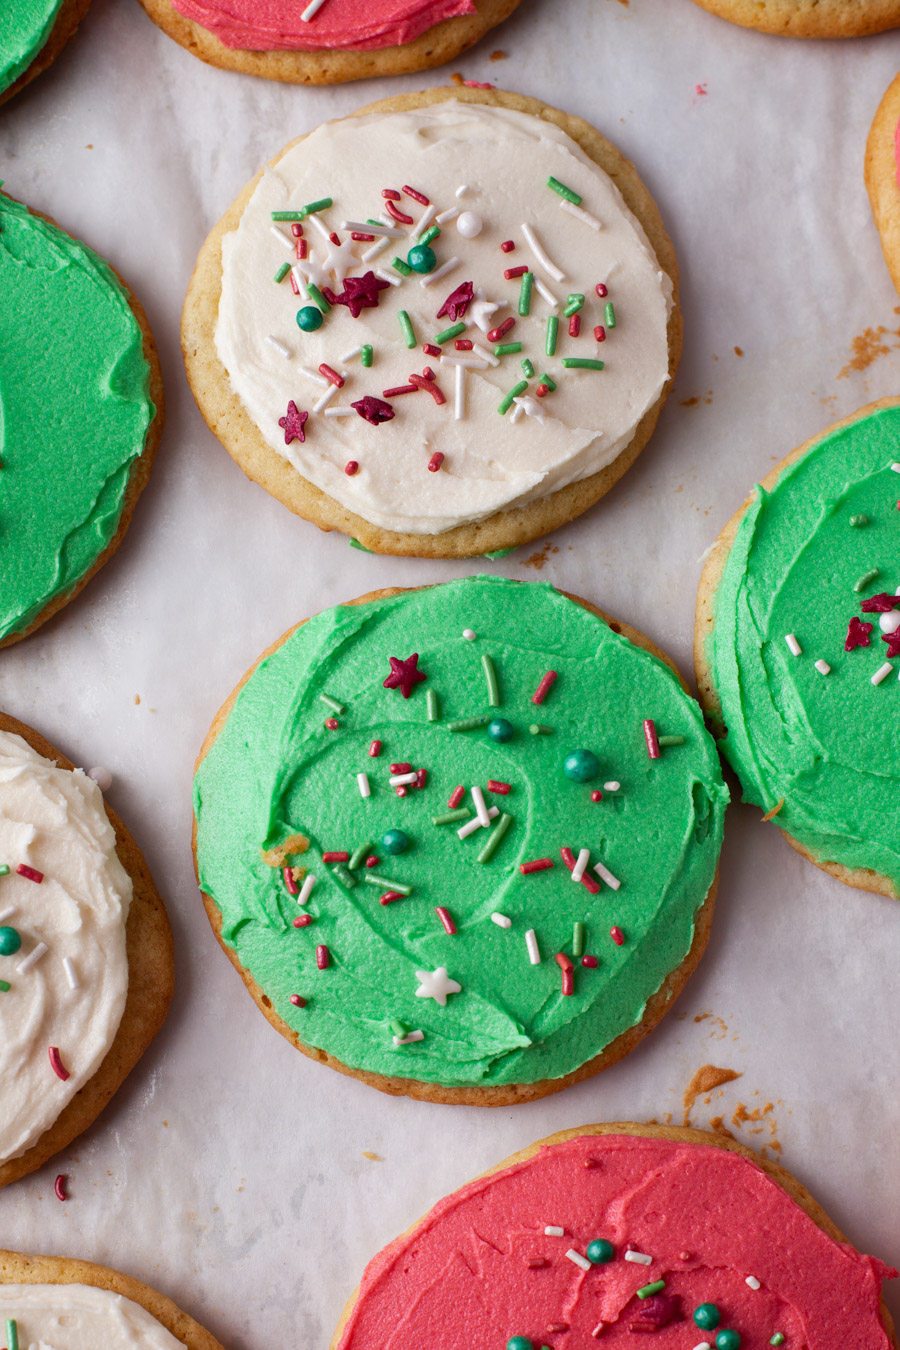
{"x":230,"y":1171}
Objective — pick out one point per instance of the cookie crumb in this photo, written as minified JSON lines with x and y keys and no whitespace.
{"x":498,"y":55}
{"x":707,"y":1078}
{"x":375,"y":1157}
{"x":739,"y":351}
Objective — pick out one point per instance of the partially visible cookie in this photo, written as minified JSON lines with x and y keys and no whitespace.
{"x":32,"y":35}
{"x":69,"y":1304}
{"x":809,"y":18}
{"x":616,"y":1230}
{"x":86,"y":961}
{"x":796,"y":644}
{"x":81,"y":407}
{"x":882,"y":170}
{"x":340,"y":40}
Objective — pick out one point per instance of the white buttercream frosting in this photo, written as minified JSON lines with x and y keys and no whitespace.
{"x":71,"y":992}
{"x":80,"y":1317}
{"x":491,"y":463}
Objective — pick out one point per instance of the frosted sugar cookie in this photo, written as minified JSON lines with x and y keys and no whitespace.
{"x":810,"y":18}
{"x":32,"y":35}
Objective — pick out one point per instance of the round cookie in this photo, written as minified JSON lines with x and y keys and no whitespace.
{"x":882,"y":172}
{"x":84,"y":1305}
{"x":617,"y":1229}
{"x":78,"y":978}
{"x":465,"y":471}
{"x":795,"y":632}
{"x":33,"y":35}
{"x":270,"y":39}
{"x":80,"y":415}
{"x":809,"y":18}
{"x":484,"y":976}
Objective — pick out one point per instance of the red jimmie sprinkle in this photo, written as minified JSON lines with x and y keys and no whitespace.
{"x":435,"y":462}
{"x":338,"y":856}
{"x":298,"y":1000}
{"x":588,"y":882}
{"x":399,"y":215}
{"x":301,"y":249}
{"x":416,"y":196}
{"x":495,"y":786}
{"x":542,"y":391}
{"x":430,"y":349}
{"x":398,"y":390}
{"x":563,"y":961}
{"x":543,"y":689}
{"x":568,"y":982}
{"x":59,"y":1187}
{"x":391,"y":895}
{"x":463,"y":344}
{"x":601,"y":289}
{"x":335,"y":239}
{"x":302,"y":921}
{"x":390,"y":194}
{"x":30,"y":873}
{"x":508,"y":246}
{"x":499,"y":333}
{"x":596,"y":795}
{"x":428,"y":373}
{"x":590,"y":962}
{"x":574,"y":325}
{"x":401,"y":768}
{"x":362,"y":238}
{"x":374,"y":749}
{"x":419,"y":382}
{"x":332,"y":723}
{"x":600,"y":333}
{"x":331,"y":375}
{"x":651,"y":738}
{"x":288,"y":874}
{"x":297,"y":229}
{"x":617,"y":935}
{"x":372,"y":860}
{"x":456,"y":797}
{"x":400,"y":791}
{"x":446,"y":919}
{"x":294,"y":287}
{"x":323,"y":957}
{"x":351,"y":468}
{"x":57,"y":1065}
{"x":421,"y":777}
{"x":512,"y":272}
{"x":537,"y":865}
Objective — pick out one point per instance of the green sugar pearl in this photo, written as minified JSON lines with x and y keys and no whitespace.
{"x":395,"y":841}
{"x":599,"y":1252}
{"x":421,"y":258}
{"x":10,"y":942}
{"x":581,"y":766}
{"x":498,"y":730}
{"x":309,"y":318}
{"x":565,"y":192}
{"x":707,"y":1316}
{"x":728,"y":1340}
{"x":519,"y":1343}
{"x":777,"y":1339}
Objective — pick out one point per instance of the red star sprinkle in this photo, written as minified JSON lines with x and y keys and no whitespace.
{"x":404,"y":674}
{"x":656,"y":1312}
{"x":880,"y":604}
{"x":360,"y":293}
{"x":373,"y":410}
{"x":457,"y":302}
{"x":893,"y":642}
{"x":857,"y":634}
{"x":292,"y":422}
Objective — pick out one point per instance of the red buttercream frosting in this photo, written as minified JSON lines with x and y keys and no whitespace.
{"x":469,"y":1276}
{"x":352,"y":25}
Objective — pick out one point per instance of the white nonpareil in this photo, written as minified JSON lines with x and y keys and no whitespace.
{"x":80,"y":1317}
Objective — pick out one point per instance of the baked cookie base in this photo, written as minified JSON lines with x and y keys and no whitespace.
{"x":881,"y":177}
{"x":19,"y":1268}
{"x":151,"y":977}
{"x":679,"y":1135}
{"x":439,"y":44}
{"x":227,"y":419}
{"x":140,"y":472}
{"x":507,"y":1094}
{"x":67,"y":20}
{"x":809,"y":18}
{"x":705,"y":619}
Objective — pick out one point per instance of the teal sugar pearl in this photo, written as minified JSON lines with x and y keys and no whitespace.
{"x":423,"y":259}
{"x":581,"y":766}
{"x":519,"y":1343}
{"x":707,"y":1316}
{"x":728,"y":1340}
{"x":600,"y":1251}
{"x":309,"y":318}
{"x":10,"y":942}
{"x":395,"y":841}
{"x":500,"y":730}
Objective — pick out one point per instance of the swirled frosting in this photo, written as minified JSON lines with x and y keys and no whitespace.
{"x":285,"y":763}
{"x":491,"y":461}
{"x":340,"y":25}
{"x":808,"y":559}
{"x":481,"y":1268}
{"x":26,"y":26}
{"x":64,"y":985}
{"x":80,"y":1317}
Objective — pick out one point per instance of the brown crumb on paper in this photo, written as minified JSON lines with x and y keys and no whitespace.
{"x":705,"y":1081}
{"x":374,"y":1157}
{"x":137,"y":698}
{"x":739,"y":351}
{"x":867,"y":347}
{"x":696,"y":399}
{"x":498,"y":55}
{"x":718,"y":1126}
{"x":456,"y":77}
{"x":541,"y":558}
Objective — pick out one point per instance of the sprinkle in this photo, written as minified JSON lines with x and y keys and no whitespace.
{"x":609,"y":314}
{"x":617,"y":935}
{"x":398,"y":779}
{"x":408,"y":1040}
{"x":554,"y":1230}
{"x":534,"y":951}
{"x":545,"y":291}
{"x":596,"y":795}
{"x":859,"y":520}
{"x":537,"y":729}
{"x":399,"y":389}
{"x":375,"y":749}
{"x":459,"y":394}
{"x":385,"y":276}
{"x":495,"y":786}
{"x":32,"y":958}
{"x":282,"y":271}
{"x":501,"y":920}
{"x":704,"y":1345}
{"x":446,"y":216}
{"x":351,"y":468}
{"x":428,"y":236}
{"x":451,"y":817}
{"x":600,"y":333}
{"x":578,"y":938}
{"x":311,"y":375}
{"x":430,"y":350}
{"x":581,"y":363}
{"x":396,"y":214}
{"x":651,"y":739}
{"x":527,"y":368}
{"x":777,"y":1339}
{"x":551,"y":384}
{"x":478,"y":802}
{"x":793,"y":645}
{"x":896,"y":468}
{"x":302,"y":921}
{"x":456,"y":797}
{"x":822,"y":667}
{"x":335,"y":857}
{"x":485,"y":355}
{"x":282,"y":237}
{"x":507,"y":400}
{"x":670,"y":740}
{"x":578,"y":1259}
{"x":599,"y":1329}
{"x":563,"y":961}
{"x":866,"y":579}
{"x":382,"y":231}
{"x":323,"y":957}
{"x":431,"y":701}
{"x":468,"y":723}
{"x":550,"y":267}
{"x":490,"y":675}
{"x":332,"y":703}
{"x":318,"y":298}
{"x":30,"y":873}
{"x":449,"y":266}
{"x":390,"y":896}
{"x":290,"y":883}
{"x":590,"y":961}
{"x":581,"y":863}
{"x":512,"y":273}
{"x":58,"y":1068}
{"x":306,"y":889}
{"x":446,"y":919}
{"x":344,"y":876}
{"x":407,"y":329}
{"x":59,"y":1187}
{"x":331,"y":376}
{"x":543,"y":689}
{"x":563,"y":191}
{"x":397,"y":886}
{"x":367,"y":354}
{"x":376,"y":248}
{"x":495,"y":837}
{"x":611,"y":786}
{"x":12,"y":1334}
{"x":287,"y":215}
{"x":525,"y":293}
{"x":421,"y":777}
{"x":605,"y":875}
{"x":752,"y":1281}
{"x":574,"y":303}
{"x":574,"y":325}
{"x":400,"y":266}
{"x":639,"y":1258}
{"x":580,"y":214}
{"x":71,"y":972}
{"x":507,"y":348}
{"x":360,"y":853}
{"x":552,"y":333}
{"x":310,"y":12}
{"x":650,"y":1289}
{"x":498,"y":333}
{"x":774,"y":811}
{"x":881,"y":674}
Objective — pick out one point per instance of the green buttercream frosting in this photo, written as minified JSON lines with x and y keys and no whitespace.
{"x":826,"y":743}
{"x":276,"y":770}
{"x":74,"y":411}
{"x":25,"y":27}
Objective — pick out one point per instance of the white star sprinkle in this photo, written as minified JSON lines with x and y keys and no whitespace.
{"x":436,"y":985}
{"x":480,"y":310}
{"x":532,"y":407}
{"x":312,"y":270}
{"x":340,"y":259}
